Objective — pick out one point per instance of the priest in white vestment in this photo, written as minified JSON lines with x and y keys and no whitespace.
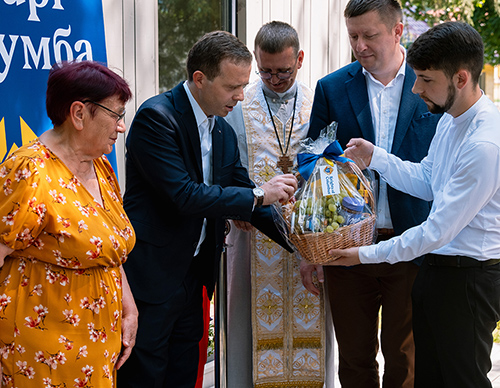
{"x":276,"y":335}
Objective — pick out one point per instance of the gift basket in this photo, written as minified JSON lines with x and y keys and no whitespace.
{"x":334,"y":206}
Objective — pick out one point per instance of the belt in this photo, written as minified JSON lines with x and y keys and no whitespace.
{"x":385,"y":232}
{"x":457,"y":261}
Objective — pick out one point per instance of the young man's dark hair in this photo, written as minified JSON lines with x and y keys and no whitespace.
{"x":448,"y":47}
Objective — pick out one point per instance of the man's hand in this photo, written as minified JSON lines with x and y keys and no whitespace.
{"x":345,"y":257}
{"x":361,"y":151}
{"x":306,"y":273}
{"x":280,"y":188}
{"x":243,"y":225}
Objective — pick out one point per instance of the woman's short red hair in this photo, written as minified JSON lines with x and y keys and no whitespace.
{"x":77,"y":81}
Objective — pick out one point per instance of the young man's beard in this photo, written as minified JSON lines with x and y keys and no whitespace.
{"x":450,"y":100}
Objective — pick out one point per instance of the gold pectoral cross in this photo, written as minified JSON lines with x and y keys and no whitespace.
{"x":285,"y":164}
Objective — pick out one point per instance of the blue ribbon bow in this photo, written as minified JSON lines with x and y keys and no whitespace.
{"x":306,"y":162}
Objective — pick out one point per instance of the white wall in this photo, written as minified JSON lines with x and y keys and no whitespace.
{"x":132,"y":47}
{"x":321,"y":28}
{"x":131,"y":28}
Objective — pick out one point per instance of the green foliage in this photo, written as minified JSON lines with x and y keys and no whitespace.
{"x":180,"y":24}
{"x":211,"y":338}
{"x":483,"y":15}
{"x":486,"y":20}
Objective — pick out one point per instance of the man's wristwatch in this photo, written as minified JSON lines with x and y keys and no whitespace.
{"x":258,"y":193}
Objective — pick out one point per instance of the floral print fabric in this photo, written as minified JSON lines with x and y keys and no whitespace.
{"x":60,"y":290}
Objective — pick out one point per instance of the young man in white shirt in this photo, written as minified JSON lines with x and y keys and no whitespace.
{"x":456,"y":295}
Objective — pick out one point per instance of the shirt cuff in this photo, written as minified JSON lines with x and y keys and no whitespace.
{"x":379,"y":160}
{"x":367,"y":255}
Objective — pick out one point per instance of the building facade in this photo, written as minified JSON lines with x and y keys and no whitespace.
{"x":136,"y":41}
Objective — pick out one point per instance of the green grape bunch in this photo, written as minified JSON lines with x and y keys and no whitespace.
{"x":318,"y":215}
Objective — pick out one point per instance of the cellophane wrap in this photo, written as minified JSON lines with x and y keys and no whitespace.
{"x":333,"y":208}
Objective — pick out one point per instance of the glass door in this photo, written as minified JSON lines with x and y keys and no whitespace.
{"x":180,"y":24}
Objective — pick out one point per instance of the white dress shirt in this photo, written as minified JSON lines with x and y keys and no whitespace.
{"x":461,"y":175}
{"x":384,"y":106}
{"x":205,"y":127}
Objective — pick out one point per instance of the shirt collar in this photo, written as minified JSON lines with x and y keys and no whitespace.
{"x":199,"y":115}
{"x":290,"y":93}
{"x":401,"y":72}
{"x":472,"y":111}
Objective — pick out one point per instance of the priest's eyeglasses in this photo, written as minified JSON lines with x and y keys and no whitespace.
{"x":119,"y":116}
{"x":280,"y":74}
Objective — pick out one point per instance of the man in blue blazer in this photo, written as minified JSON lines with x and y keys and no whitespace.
{"x":372,"y":98}
{"x":184,"y":178}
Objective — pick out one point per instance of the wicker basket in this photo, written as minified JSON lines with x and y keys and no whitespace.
{"x":314,"y":247}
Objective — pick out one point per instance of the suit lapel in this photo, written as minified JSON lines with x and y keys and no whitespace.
{"x":217,"y":148}
{"x":187,"y":123}
{"x":409,"y":102}
{"x":358,"y":97}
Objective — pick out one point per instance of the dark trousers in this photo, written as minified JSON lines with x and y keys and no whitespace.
{"x":166,"y":352}
{"x":356,"y":295}
{"x":455,"y":311}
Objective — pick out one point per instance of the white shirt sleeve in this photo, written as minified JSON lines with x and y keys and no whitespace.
{"x":474,"y":182}
{"x":411,"y":178}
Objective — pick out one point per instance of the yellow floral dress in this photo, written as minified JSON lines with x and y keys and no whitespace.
{"x":60,"y":290}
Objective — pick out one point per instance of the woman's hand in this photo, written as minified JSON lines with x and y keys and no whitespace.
{"x":4,"y":251}
{"x":129,"y":322}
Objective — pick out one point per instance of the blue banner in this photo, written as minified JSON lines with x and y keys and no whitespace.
{"x":34,"y":34}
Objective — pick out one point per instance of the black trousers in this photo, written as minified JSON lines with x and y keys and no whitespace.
{"x":455,"y":311}
{"x":356,"y":295}
{"x":166,"y":352}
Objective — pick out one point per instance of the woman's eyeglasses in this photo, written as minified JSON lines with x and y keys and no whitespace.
{"x":118,"y":115}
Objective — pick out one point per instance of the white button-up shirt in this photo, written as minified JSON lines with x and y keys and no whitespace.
{"x":461,"y":175}
{"x":205,"y":127}
{"x":384,"y":105}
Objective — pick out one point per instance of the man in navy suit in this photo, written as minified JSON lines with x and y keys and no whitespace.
{"x":372,"y":99}
{"x":184,"y":178}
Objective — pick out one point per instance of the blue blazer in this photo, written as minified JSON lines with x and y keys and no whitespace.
{"x":166,"y":199}
{"x":342,"y":96}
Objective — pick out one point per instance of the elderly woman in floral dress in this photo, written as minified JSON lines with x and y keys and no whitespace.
{"x":67,"y":316}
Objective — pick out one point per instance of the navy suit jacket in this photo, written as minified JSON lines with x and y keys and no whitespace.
{"x":342,"y":96}
{"x":166,"y":199}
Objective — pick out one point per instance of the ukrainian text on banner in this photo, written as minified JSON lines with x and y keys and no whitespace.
{"x":35,"y":34}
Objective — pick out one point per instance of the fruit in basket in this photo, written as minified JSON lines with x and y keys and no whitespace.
{"x":318,"y":215}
